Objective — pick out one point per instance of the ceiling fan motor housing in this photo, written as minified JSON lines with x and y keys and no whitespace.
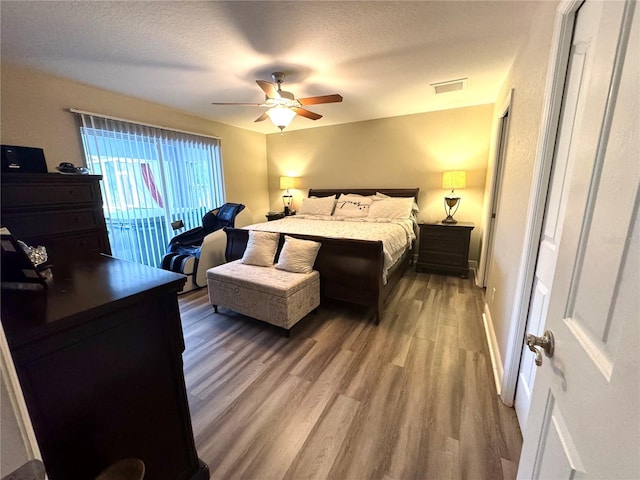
{"x":278,"y":77}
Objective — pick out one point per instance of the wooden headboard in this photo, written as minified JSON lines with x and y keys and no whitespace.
{"x":392,"y":192}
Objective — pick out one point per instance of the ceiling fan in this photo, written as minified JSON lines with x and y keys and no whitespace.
{"x":283,"y":106}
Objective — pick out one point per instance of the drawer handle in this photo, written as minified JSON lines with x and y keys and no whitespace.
{"x":73,"y":192}
{"x":78,"y":219}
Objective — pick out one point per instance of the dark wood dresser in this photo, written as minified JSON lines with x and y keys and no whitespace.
{"x":444,"y":248}
{"x":61,"y":212}
{"x":99,"y":358}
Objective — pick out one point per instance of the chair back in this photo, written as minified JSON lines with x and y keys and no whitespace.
{"x":221,"y":217}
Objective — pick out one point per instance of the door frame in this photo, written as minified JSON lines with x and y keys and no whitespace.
{"x":493,"y":187}
{"x":550,"y":120}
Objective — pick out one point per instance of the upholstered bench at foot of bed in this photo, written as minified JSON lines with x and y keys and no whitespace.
{"x":274,"y":296}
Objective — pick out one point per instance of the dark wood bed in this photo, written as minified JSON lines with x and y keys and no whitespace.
{"x":350,"y":270}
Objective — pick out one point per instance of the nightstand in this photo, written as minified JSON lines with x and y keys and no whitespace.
{"x":444,"y":248}
{"x":274,"y":216}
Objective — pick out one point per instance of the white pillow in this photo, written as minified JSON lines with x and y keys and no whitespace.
{"x":351,"y":205}
{"x":298,"y":255}
{"x":395,"y":207}
{"x":380,"y":196}
{"x":261,"y":248}
{"x":317,"y":206}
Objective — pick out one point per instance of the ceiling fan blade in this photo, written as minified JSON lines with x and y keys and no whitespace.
{"x":321,"y":99}
{"x":262,"y":117}
{"x":269,"y":89}
{"x":242,"y":104}
{"x":306,"y":113}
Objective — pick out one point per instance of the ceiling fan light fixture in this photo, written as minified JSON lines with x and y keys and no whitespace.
{"x":282,"y":106}
{"x":281,"y":116}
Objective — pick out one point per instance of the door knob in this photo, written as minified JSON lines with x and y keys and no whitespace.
{"x":546,"y":342}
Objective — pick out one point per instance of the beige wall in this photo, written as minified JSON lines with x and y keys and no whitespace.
{"x":527,"y":79}
{"x":34,"y":112}
{"x":407,"y":151}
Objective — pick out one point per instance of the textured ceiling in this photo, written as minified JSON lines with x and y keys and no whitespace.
{"x":380,"y":56}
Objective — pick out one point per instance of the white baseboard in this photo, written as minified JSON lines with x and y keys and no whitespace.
{"x":473,"y":268}
{"x":494,"y":351}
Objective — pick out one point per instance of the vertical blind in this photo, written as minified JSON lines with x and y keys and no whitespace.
{"x":152,"y":177}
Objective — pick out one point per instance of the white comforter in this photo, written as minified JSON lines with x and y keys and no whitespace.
{"x":396,"y":234}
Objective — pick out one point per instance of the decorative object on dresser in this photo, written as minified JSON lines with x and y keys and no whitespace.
{"x":444,"y":248}
{"x":23,"y":267}
{"x":99,"y":358}
{"x":63,"y":213}
{"x":453,"y":180}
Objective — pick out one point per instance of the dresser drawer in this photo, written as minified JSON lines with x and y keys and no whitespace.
{"x":79,"y":244}
{"x":434,"y":243}
{"x":443,"y":258}
{"x":31,"y":192}
{"x":48,"y":222}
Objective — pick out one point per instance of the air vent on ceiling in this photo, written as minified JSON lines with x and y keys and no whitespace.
{"x":450,"y":86}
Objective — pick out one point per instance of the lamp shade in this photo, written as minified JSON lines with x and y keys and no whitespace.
{"x":281,"y":116}
{"x":287,"y":182}
{"x":454,"y":179}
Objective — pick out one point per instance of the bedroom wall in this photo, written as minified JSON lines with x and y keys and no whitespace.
{"x":405,"y":151}
{"x":34,"y":112}
{"x":527,"y":77}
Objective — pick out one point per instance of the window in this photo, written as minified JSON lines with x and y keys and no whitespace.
{"x":150,"y":177}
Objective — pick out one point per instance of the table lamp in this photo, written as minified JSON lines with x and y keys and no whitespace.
{"x":452,"y":180}
{"x":285,"y":184}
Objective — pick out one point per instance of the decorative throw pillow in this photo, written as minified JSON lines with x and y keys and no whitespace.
{"x":261,"y":248}
{"x":395,"y":207}
{"x":317,"y":205}
{"x":298,"y":255}
{"x":351,"y":205}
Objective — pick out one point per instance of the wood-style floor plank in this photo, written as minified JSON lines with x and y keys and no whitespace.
{"x":367,"y":450}
{"x":289,"y":437}
{"x":343,"y":398}
{"x":325,"y":442}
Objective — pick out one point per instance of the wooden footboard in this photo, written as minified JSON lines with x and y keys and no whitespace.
{"x":350,"y":270}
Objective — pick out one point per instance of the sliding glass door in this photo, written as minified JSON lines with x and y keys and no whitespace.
{"x":151,"y":178}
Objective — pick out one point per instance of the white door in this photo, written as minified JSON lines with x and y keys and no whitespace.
{"x":584,"y":420}
{"x":573,"y":109}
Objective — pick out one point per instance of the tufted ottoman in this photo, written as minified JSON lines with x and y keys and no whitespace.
{"x":274,"y":296}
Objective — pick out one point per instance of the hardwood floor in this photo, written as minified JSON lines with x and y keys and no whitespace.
{"x":343,"y":398}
